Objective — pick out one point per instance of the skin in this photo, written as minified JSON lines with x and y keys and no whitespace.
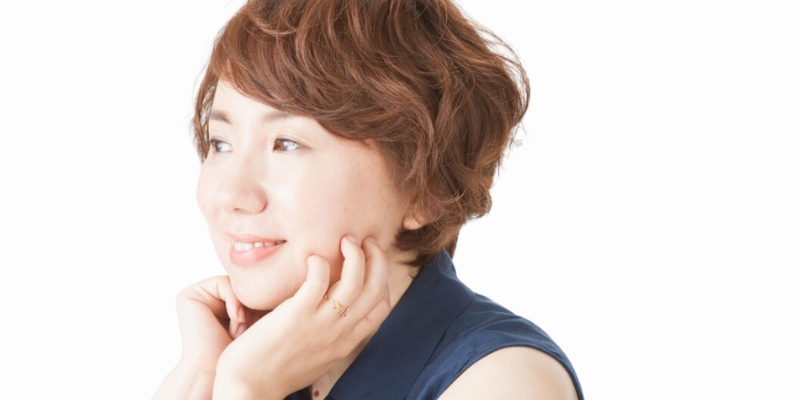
{"x":513,"y":373}
{"x":266,"y":329}
{"x":334,"y":210}
{"x":281,"y":176}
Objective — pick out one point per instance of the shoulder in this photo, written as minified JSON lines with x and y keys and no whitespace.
{"x":489,"y":352}
{"x":460,"y":336}
{"x":513,"y":372}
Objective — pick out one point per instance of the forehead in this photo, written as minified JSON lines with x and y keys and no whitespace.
{"x":228,"y":100}
{"x":230,"y":107}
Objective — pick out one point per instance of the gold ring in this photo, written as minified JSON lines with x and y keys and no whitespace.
{"x":338,"y":307}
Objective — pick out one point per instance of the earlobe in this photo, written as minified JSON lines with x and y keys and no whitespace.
{"x":411,"y":222}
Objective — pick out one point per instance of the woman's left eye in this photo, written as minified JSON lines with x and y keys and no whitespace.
{"x":285,"y":145}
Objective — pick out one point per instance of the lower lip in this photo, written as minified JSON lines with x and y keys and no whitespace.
{"x":252,"y":256}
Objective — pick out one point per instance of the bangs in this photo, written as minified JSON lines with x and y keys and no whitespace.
{"x":413,"y":78}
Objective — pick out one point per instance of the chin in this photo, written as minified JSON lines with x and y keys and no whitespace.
{"x":258,"y":296}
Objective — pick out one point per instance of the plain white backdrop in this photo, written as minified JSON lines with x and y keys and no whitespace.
{"x":649,"y":221}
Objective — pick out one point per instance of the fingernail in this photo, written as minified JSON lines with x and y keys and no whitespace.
{"x":240,"y":330}
{"x":372,"y":240}
{"x":240,"y":315}
{"x":351,"y":238}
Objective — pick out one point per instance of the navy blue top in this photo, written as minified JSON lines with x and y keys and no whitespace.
{"x":437,"y":330}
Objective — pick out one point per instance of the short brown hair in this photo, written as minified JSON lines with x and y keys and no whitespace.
{"x":439,"y":96}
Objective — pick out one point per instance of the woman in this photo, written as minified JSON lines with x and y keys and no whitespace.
{"x":344,"y":144}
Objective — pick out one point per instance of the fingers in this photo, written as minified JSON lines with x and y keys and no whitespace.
{"x":377,"y":272}
{"x":364,"y":282}
{"x":375,"y":295}
{"x":233,"y":307}
{"x":308,"y":327}
{"x":316,"y":283}
{"x":362,"y":288}
{"x":354,"y":265}
{"x":207,"y":306}
{"x":215,"y":294}
{"x":349,"y":287}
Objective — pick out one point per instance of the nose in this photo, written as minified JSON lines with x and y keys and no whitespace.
{"x":239,"y":189}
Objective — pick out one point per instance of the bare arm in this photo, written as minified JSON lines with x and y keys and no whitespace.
{"x":513,"y":373}
{"x":186,"y":382}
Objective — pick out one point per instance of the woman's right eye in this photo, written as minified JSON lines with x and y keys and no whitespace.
{"x":219,"y":146}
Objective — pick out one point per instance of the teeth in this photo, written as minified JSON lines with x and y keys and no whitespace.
{"x":241,"y":247}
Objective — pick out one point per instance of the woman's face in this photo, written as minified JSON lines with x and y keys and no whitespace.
{"x":277,"y":188}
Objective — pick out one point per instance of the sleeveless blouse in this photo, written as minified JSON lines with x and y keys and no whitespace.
{"x":437,"y":330}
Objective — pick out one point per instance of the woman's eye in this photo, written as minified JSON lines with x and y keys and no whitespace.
{"x":285,"y":145}
{"x":219,"y":146}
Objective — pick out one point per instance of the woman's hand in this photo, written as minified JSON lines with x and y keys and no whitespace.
{"x":210,"y":317}
{"x":304,"y":337}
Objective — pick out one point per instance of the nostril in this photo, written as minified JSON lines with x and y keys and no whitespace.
{"x":229,"y":182}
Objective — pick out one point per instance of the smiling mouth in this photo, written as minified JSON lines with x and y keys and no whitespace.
{"x":246,"y":252}
{"x":241,"y":247}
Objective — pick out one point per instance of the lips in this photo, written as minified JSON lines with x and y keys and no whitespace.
{"x":247,"y":250}
{"x":247,"y":246}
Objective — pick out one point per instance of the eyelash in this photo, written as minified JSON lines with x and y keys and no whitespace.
{"x":286,"y":145}
{"x":214,"y":145}
{"x":280,"y":145}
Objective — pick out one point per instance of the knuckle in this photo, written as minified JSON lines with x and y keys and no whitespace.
{"x":343,"y":349}
{"x":183,"y":295}
{"x":373,"y":294}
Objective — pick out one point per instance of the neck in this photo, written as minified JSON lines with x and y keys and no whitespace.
{"x":399,"y":279}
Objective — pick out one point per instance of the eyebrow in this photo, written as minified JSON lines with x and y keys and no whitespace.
{"x":269,"y":116}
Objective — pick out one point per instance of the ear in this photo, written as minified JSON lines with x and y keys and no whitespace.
{"x":412,"y":221}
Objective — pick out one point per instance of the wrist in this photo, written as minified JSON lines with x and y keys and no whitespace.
{"x":231,"y":383}
{"x":231,"y":386}
{"x":186,"y":381}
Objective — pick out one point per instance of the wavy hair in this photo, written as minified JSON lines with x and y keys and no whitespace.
{"x":440,"y":96}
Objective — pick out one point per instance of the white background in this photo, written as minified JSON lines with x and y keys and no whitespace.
{"x":649,"y":220}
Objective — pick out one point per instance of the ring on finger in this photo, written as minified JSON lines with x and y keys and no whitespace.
{"x":338,"y":307}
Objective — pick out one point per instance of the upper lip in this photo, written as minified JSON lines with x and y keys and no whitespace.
{"x":249,"y":238}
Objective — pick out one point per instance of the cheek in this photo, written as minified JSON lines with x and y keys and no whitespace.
{"x":326,"y":216}
{"x":319,"y":209}
{"x":204,"y":191}
{"x":357,"y":203}
{"x":210,"y":185}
